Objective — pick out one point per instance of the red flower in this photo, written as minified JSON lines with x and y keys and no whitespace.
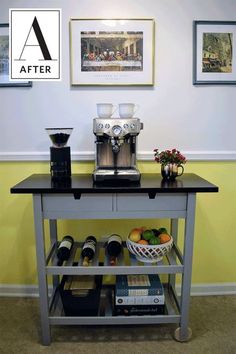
{"x":169,"y":156}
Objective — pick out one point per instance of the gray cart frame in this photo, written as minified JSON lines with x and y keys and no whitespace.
{"x":89,"y":202}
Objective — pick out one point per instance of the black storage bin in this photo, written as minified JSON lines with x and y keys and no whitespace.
{"x":79,"y":305}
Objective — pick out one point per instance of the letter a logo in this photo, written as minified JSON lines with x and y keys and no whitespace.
{"x":35,"y":44}
{"x":41,"y":41}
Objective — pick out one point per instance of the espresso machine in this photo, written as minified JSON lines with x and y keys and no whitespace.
{"x":60,"y":157}
{"x":116,"y":145}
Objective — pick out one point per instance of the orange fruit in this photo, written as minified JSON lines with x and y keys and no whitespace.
{"x":164,"y":238}
{"x":143,"y":242}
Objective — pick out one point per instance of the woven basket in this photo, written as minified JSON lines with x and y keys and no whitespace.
{"x":148,"y":253}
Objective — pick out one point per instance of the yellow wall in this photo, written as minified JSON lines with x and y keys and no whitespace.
{"x":215,"y":241}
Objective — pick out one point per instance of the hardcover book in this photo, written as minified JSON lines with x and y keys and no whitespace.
{"x":140,"y":300}
{"x":139,"y":310}
{"x":138,"y":285}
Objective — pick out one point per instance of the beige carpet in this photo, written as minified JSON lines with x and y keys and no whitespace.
{"x":212,"y":319}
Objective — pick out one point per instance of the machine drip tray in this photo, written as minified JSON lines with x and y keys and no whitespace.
{"x":116,"y":182}
{"x":120,"y":175}
{"x":119,"y":171}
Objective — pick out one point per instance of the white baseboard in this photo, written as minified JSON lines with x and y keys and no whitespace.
{"x":211,"y":289}
{"x":14,"y":290}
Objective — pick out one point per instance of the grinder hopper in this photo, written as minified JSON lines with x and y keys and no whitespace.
{"x":60,"y":160}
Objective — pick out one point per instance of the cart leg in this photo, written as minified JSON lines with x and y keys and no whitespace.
{"x":42,"y":276}
{"x":180,"y":338}
{"x":53,"y":237}
{"x":183,"y":333}
{"x":174,"y":234}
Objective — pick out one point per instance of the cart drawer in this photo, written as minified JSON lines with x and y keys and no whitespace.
{"x":142,"y":202}
{"x":86,"y":203}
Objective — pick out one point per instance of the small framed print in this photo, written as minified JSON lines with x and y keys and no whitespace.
{"x":4,"y":60}
{"x":112,"y":51}
{"x":214,"y":52}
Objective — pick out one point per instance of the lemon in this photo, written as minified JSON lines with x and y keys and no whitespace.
{"x":135,"y":235}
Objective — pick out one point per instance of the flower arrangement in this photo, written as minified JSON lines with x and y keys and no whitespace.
{"x":169,"y":157}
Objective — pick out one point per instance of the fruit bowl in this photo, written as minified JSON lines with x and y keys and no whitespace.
{"x":149,"y":253}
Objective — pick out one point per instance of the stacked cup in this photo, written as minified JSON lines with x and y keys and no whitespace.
{"x":105,"y":110}
{"x":126,"y":110}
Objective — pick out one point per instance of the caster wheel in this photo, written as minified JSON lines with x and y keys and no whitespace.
{"x":185,"y":339}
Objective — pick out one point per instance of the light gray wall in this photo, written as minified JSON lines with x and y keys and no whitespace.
{"x":198,"y":120}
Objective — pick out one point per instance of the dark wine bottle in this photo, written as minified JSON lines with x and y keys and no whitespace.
{"x":88,"y":249}
{"x":114,"y":248}
{"x":63,"y":251}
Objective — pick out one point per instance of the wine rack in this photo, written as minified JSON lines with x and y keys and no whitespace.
{"x":172,"y":263}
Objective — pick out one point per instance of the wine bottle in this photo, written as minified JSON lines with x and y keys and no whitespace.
{"x":88,"y":250}
{"x":63,"y":251}
{"x":114,"y":247}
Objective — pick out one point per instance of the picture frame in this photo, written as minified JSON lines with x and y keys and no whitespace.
{"x":113,"y":52}
{"x":4,"y":60}
{"x":214,"y":52}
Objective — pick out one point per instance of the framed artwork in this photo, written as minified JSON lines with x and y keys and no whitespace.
{"x":214,"y":52}
{"x":112,"y":51}
{"x":4,"y":60}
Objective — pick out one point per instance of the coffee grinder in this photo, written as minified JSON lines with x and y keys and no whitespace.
{"x":60,"y":159}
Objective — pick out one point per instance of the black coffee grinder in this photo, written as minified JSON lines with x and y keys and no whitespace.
{"x":60,"y":160}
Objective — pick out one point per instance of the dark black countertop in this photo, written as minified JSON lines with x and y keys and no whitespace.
{"x":83,"y":183}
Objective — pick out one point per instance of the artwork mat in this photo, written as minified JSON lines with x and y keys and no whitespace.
{"x":4,"y":81}
{"x":200,"y":27}
{"x":78,"y":77}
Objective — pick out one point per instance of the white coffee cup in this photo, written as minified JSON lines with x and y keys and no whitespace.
{"x":127,"y":110}
{"x":105,"y":110}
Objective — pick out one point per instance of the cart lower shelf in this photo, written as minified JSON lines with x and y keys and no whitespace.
{"x":105,"y":313}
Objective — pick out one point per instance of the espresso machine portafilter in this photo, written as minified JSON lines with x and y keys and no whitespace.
{"x":115,"y":148}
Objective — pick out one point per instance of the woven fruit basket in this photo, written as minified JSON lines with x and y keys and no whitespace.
{"x":149,"y":253}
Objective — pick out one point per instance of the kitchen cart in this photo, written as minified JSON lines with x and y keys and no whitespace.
{"x":82,"y":199}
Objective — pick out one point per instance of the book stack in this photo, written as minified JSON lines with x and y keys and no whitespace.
{"x":139,"y":295}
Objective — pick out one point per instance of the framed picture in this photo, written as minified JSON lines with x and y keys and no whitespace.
{"x":214,"y":52}
{"x":112,"y":51}
{"x":4,"y":60}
